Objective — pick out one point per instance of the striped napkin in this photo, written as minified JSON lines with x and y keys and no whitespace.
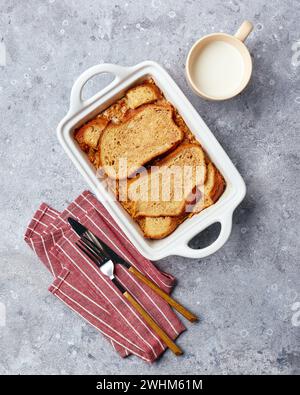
{"x":79,"y":284}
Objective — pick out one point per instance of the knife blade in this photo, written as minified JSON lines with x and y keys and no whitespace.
{"x":82,"y":230}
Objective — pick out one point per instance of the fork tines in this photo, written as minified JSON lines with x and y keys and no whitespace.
{"x":86,"y":241}
{"x":91,"y":252}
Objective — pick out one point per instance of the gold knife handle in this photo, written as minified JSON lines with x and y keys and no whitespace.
{"x":172,"y":302}
{"x":157,"y":329}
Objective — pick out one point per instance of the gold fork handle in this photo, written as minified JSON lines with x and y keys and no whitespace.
{"x":153,"y":325}
{"x":172,"y":302}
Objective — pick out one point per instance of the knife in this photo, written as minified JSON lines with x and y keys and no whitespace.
{"x":106,"y":265}
{"x":81,"y":230}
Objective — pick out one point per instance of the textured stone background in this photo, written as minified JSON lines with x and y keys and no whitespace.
{"x":245,"y":293}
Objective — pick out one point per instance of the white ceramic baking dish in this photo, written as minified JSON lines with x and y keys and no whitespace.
{"x":83,"y":110}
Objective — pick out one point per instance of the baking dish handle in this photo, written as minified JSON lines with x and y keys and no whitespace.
{"x":76,"y":101}
{"x":226,"y":225}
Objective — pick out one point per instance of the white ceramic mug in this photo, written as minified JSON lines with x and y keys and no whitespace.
{"x":219,"y":65}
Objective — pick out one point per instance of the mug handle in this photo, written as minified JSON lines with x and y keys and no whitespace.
{"x":186,"y":251}
{"x":244,"y":30}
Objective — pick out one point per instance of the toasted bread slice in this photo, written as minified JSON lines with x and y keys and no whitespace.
{"x":142,"y":94}
{"x":88,"y":135}
{"x":149,"y":132}
{"x":152,"y":227}
{"x":158,"y":227}
{"x":164,"y":191}
{"x":213,"y":189}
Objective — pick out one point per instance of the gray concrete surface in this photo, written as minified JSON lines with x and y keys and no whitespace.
{"x":247,"y":294}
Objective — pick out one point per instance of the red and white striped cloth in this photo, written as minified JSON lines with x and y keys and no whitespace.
{"x":81,"y":285}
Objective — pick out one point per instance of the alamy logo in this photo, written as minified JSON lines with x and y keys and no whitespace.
{"x":296,"y":315}
{"x":2,"y":54}
{"x":2,"y":314}
{"x":296,"y":55}
{"x":156,"y":184}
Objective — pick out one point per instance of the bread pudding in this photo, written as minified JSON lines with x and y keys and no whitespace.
{"x":138,"y":143}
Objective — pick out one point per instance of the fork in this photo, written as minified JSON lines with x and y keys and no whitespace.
{"x":106,"y":265}
{"x":99,"y":244}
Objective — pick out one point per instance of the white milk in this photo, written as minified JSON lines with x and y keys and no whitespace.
{"x":218,"y":71}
